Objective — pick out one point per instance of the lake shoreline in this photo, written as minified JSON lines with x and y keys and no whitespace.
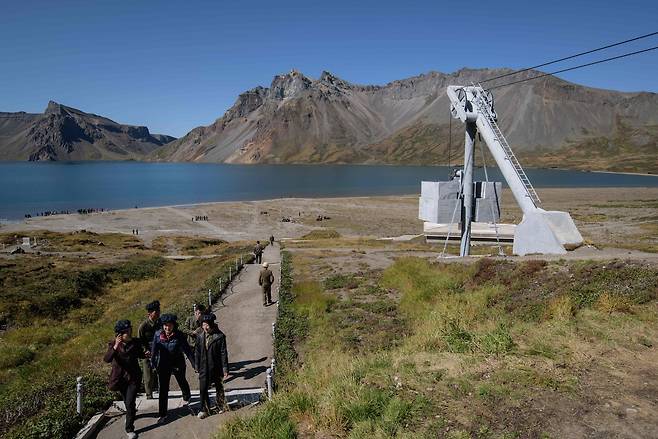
{"x":29,"y":189}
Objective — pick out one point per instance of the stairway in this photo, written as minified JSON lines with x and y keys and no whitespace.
{"x":484,"y":109}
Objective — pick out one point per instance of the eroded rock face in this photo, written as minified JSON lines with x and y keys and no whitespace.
{"x":329,"y":120}
{"x":65,"y":133}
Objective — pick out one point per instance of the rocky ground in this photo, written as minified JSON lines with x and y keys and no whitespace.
{"x":610,"y":219}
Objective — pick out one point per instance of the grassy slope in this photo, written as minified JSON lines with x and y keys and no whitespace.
{"x":61,"y":310}
{"x":496,"y":349}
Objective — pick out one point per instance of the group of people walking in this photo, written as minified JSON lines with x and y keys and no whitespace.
{"x":162,"y":347}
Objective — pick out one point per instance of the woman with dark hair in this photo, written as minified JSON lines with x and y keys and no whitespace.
{"x":126,"y":375}
{"x":170,"y":348}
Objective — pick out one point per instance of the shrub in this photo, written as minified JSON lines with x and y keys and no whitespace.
{"x":498,"y":341}
{"x":348,"y":281}
{"x":560,"y":308}
{"x":14,"y":356}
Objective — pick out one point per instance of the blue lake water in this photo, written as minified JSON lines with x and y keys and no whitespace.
{"x":36,"y":187}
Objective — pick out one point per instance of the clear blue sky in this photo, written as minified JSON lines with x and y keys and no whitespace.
{"x":174,"y":65}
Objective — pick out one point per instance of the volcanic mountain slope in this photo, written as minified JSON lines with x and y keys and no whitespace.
{"x":329,"y":120}
{"x":64,"y":133}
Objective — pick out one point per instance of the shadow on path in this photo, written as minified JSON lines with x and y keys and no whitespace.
{"x":247,"y":374}
{"x":240,"y":364}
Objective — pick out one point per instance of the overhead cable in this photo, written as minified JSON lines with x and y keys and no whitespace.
{"x":576,"y":67}
{"x":571,"y":57}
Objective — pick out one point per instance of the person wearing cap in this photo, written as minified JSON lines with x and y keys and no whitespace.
{"x":258,"y":252}
{"x":170,"y":348}
{"x":192,"y":326}
{"x":211,"y":358}
{"x":265,"y":280}
{"x":123,"y":352}
{"x":145,"y":334}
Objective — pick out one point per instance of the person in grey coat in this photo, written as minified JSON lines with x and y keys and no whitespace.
{"x":211,"y":358}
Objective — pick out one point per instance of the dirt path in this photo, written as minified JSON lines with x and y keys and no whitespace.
{"x":248,"y":328}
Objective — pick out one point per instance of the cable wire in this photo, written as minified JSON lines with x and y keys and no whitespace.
{"x":570,"y":57}
{"x":576,"y":67}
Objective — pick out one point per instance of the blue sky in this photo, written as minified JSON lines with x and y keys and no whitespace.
{"x":174,"y":65}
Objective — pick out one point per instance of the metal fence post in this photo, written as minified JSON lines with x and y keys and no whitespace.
{"x":273,"y":366}
{"x":241,"y":263}
{"x":78,"y":389}
{"x":209,"y":297}
{"x":273,"y":328}
{"x":220,"y":285}
{"x":229,"y":273}
{"x":236,"y":265}
{"x":269,"y":383}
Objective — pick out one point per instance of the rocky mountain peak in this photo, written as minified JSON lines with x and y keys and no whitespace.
{"x":54,"y":108}
{"x":331,"y":79}
{"x":289,"y":85}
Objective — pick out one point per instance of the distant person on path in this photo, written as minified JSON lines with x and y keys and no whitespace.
{"x":145,"y":334}
{"x":265,"y":280}
{"x":125,"y":376}
{"x":192,"y":327}
{"x":170,"y":348}
{"x":258,"y":252}
{"x":271,"y":239}
{"x":212,"y":364}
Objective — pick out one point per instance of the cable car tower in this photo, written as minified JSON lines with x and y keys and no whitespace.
{"x":540,"y":231}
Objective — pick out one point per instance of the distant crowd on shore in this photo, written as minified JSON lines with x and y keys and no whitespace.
{"x":48,"y":213}
{"x":64,"y":212}
{"x":200,"y":218}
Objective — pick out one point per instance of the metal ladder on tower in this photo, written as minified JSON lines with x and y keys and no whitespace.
{"x":484,"y":110}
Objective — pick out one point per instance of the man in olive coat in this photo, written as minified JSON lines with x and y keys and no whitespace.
{"x":211,"y":357}
{"x":258,"y":252}
{"x":192,"y":327}
{"x":265,"y":280}
{"x":145,"y":334}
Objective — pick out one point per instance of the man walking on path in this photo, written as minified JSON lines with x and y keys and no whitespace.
{"x":192,"y":327}
{"x":212,"y":364}
{"x":145,"y":334}
{"x":265,"y":280}
{"x":271,"y":239}
{"x":258,"y":252}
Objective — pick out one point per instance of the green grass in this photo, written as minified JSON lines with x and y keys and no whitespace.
{"x":322,"y":234}
{"x":446,"y":350}
{"x":61,"y":311}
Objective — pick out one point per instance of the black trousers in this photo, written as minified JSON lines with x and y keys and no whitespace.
{"x":267,"y":294}
{"x":259,"y":258}
{"x":204,"y":386}
{"x":129,"y":394}
{"x":164,"y":377}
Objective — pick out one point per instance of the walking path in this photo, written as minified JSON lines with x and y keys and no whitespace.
{"x":248,"y":328}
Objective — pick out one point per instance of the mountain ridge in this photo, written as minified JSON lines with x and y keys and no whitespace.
{"x":66,"y":133}
{"x":329,"y":120}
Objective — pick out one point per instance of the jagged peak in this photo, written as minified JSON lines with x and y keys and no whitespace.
{"x":289,"y":85}
{"x":54,"y":108}
{"x":330,"y":78}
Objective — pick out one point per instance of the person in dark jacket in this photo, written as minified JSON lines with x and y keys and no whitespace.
{"x":145,"y":334}
{"x":126,"y":375}
{"x":211,"y":358}
{"x":258,"y":252}
{"x":170,"y":348}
